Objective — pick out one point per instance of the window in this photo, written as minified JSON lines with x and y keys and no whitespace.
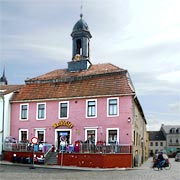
{"x":23,"y":135}
{"x":112,"y":135}
{"x":91,"y":135}
{"x":24,"y":111}
{"x":40,"y":134}
{"x":172,"y":131}
{"x":161,"y":143}
{"x":178,"y":131}
{"x":91,"y":108}
{"x":63,"y":110}
{"x":41,"y":111}
{"x":113,"y":106}
{"x":151,"y":143}
{"x":156,"y":144}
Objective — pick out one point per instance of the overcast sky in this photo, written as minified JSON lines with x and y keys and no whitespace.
{"x":142,"y":36}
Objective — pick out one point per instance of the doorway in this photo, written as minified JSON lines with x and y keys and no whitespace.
{"x":62,"y":135}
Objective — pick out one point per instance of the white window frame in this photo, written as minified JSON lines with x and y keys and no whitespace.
{"x":37,"y":111}
{"x":61,"y":102}
{"x":107,"y":134}
{"x":40,"y":129}
{"x":20,"y":111}
{"x":114,"y":115}
{"x":20,"y":137}
{"x":91,"y":129}
{"x":88,"y":100}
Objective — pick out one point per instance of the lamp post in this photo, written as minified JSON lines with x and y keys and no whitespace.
{"x":142,"y":146}
{"x":2,"y":125}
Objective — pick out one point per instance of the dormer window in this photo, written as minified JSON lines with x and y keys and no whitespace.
{"x":172,"y":131}
{"x":178,"y":131}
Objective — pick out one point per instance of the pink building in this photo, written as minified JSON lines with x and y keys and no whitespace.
{"x":79,"y":108}
{"x":83,"y":102}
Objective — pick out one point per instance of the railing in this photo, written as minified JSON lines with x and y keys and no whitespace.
{"x":26,"y":147}
{"x":78,"y":148}
{"x":91,"y":148}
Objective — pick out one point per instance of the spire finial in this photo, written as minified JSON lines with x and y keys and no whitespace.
{"x":81,"y":14}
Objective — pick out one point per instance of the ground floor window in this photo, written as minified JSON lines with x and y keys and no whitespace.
{"x":40,"y":134}
{"x":112,"y":135}
{"x":91,"y":135}
{"x":23,"y":135}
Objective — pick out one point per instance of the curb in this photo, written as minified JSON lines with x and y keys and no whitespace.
{"x":65,"y":167}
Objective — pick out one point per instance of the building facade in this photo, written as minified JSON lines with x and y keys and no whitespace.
{"x":157,"y":142}
{"x":84,"y":102}
{"x":172,"y":133}
{"x":6,"y":93}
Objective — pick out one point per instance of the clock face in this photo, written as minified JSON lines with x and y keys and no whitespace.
{"x":77,"y":57}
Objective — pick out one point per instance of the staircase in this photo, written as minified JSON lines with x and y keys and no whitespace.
{"x":52,"y":158}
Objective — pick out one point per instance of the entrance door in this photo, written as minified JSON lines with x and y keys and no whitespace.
{"x":62,"y":135}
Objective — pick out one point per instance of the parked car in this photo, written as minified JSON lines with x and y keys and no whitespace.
{"x":177,"y":157}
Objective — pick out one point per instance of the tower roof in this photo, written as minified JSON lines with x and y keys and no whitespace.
{"x":80,"y":25}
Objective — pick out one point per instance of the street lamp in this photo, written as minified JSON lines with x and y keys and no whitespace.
{"x":142,"y":144}
{"x":2,"y":128}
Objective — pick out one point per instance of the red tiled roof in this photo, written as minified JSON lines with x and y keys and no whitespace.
{"x":63,"y":73}
{"x":6,"y":89}
{"x":99,"y":80}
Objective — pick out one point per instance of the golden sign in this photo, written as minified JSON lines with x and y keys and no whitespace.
{"x":63,"y":123}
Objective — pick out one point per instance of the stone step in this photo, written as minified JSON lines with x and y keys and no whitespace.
{"x":52,"y":158}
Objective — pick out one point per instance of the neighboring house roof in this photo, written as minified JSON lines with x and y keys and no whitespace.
{"x":98,"y":80}
{"x":156,"y":136}
{"x":6,"y":89}
{"x":167,"y":128}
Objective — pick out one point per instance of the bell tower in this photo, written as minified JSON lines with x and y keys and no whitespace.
{"x":80,"y":46}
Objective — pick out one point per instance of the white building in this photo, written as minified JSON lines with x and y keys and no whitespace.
{"x":6,"y":92}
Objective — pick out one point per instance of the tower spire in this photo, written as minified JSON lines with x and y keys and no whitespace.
{"x":81,"y":8}
{"x":3,"y":80}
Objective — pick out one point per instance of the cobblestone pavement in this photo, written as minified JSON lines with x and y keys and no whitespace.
{"x":145,"y":172}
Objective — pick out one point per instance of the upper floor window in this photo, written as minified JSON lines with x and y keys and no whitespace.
{"x":172,"y":131}
{"x":63,"y":109}
{"x":24,"y":111}
{"x":113,"y":106}
{"x":178,"y":130}
{"x":156,"y":144}
{"x":151,"y":143}
{"x":91,"y":108}
{"x":41,"y":111}
{"x":161,"y":143}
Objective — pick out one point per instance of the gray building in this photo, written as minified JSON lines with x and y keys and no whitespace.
{"x":172,"y":134}
{"x":157,"y":142}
